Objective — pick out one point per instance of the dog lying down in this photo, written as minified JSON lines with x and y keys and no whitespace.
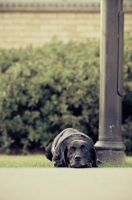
{"x":72,"y":148}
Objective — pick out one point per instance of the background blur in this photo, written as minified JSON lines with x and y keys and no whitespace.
{"x":49,"y":72}
{"x":35,"y":22}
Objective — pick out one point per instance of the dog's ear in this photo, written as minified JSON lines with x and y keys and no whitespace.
{"x":60,"y":157}
{"x":94,"y":156}
{"x":48,"y":152}
{"x":64,"y":157}
{"x":57,"y":158}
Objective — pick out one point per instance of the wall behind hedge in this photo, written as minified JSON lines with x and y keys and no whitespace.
{"x":23,"y":23}
{"x":44,"y":90}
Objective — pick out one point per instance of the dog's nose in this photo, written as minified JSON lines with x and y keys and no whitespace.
{"x":77,"y":158}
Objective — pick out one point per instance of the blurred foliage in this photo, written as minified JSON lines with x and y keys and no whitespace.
{"x":127,"y":99}
{"x":45,"y":90}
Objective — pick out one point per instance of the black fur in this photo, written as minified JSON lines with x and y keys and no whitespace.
{"x":72,"y":148}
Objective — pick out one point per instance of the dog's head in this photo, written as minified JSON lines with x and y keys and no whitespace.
{"x":79,"y":154}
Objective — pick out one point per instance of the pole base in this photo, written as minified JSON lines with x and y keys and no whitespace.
{"x":110,"y":152}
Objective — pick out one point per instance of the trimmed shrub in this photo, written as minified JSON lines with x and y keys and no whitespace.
{"x":127,"y":99}
{"x":45,"y":90}
{"x":127,"y":136}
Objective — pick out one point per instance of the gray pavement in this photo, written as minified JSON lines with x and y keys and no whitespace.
{"x":65,"y":184}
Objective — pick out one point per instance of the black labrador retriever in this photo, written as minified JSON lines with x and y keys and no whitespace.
{"x":72,"y":148}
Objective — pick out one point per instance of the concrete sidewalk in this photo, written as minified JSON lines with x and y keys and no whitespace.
{"x":65,"y":184}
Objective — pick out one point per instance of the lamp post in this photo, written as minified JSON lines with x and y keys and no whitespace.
{"x":110,"y":147}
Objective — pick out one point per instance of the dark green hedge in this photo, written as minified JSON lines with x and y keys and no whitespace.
{"x":44,"y":90}
{"x":127,"y":99}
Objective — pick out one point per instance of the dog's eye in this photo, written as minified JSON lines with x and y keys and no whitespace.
{"x":72,"y":149}
{"x":84,"y":149}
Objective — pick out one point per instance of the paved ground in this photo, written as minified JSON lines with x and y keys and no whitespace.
{"x":65,"y":184}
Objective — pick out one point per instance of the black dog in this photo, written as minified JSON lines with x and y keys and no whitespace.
{"x":72,"y":148}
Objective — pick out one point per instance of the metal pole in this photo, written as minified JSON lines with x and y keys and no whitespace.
{"x":110,"y":147}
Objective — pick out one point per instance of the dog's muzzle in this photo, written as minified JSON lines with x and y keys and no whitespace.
{"x":79,"y":163}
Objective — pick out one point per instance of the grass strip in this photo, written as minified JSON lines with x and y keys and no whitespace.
{"x":9,"y":161}
{"x":25,"y":161}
